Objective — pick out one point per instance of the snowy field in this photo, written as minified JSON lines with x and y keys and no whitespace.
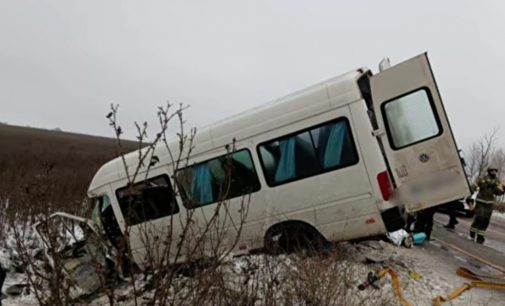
{"x":424,"y":271}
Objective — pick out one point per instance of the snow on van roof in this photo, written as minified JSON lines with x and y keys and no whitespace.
{"x":315,"y":99}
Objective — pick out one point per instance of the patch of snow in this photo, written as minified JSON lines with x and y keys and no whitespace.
{"x":499,"y":215}
{"x":424,"y":271}
{"x":434,"y":271}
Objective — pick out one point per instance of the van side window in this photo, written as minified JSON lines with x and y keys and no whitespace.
{"x":218,"y":179}
{"x":148,"y":200}
{"x":310,"y":152}
{"x":410,"y":119}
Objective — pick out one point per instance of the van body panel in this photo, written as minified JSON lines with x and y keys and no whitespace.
{"x":373,"y":160}
{"x":333,"y":197}
{"x":418,"y":141}
{"x":278,"y":113}
{"x":354,"y":227}
{"x":343,"y":203}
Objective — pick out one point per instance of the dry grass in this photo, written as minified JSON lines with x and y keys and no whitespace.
{"x":42,"y":171}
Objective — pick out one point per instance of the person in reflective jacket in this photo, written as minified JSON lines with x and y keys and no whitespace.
{"x":489,"y":187}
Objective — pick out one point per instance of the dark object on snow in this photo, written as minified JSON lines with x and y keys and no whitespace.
{"x":16,"y":289}
{"x":375,"y":259}
{"x":17,"y":266}
{"x":372,"y":279}
{"x":39,"y":254}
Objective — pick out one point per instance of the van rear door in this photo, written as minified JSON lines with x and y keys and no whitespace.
{"x":416,"y":136}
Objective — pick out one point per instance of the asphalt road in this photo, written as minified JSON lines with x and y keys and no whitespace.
{"x":493,"y":251}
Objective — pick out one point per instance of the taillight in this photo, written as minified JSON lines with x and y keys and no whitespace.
{"x":385,"y":185}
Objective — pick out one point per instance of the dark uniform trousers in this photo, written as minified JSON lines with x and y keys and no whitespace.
{"x":483,"y":212}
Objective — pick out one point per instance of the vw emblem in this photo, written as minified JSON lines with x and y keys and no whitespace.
{"x":424,"y":157}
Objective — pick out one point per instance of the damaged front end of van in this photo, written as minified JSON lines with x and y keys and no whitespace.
{"x":75,"y":246}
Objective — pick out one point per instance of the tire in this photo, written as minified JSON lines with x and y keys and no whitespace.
{"x":274,"y":240}
{"x":293,"y":238}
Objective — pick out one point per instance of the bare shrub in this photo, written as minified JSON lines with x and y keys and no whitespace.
{"x":479,"y":155}
{"x":207,"y":240}
{"x":294,"y":279}
{"x":484,"y":153}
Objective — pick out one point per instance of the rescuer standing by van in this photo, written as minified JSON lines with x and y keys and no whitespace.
{"x":489,"y":187}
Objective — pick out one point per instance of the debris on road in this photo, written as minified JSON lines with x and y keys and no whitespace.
{"x":400,"y":237}
{"x":418,"y":238}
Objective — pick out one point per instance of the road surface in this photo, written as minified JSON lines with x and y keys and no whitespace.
{"x":493,"y":251}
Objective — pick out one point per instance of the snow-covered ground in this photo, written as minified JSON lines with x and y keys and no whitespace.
{"x":424,"y":271}
{"x":11,"y":264}
{"x":499,"y":215}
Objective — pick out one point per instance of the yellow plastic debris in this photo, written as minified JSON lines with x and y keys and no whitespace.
{"x":415,"y":275}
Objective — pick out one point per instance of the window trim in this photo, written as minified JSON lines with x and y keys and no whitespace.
{"x":285,"y":136}
{"x":174,"y":196}
{"x":182,"y":191}
{"x":433,"y":110}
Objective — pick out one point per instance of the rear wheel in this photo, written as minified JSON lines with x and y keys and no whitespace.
{"x":289,"y":238}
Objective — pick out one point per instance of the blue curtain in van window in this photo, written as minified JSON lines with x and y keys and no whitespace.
{"x":334,"y":144}
{"x":201,"y":184}
{"x":286,"y":167}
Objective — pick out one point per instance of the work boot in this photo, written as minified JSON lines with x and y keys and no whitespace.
{"x":472,"y":236}
{"x":480,"y":239}
{"x":449,"y":227}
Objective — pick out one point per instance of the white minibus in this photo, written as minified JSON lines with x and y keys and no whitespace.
{"x":343,"y":159}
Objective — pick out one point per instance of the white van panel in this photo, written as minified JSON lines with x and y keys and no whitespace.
{"x":373,"y":159}
{"x":417,"y":137}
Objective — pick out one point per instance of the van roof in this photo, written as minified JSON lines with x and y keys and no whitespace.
{"x":332,"y":93}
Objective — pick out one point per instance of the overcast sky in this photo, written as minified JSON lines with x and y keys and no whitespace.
{"x":63,"y":62}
